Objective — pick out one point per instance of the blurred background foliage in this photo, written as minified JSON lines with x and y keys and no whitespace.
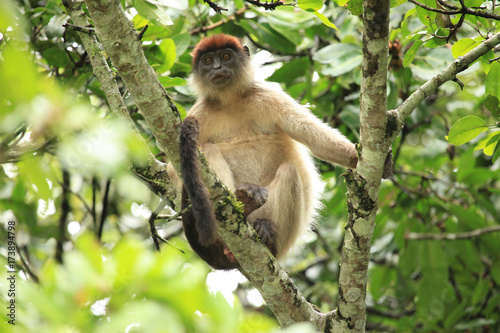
{"x":86,"y":260}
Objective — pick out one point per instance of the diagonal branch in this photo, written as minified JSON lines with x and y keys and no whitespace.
{"x":399,"y":115}
{"x":125,"y":51}
{"x":233,"y":17}
{"x":153,"y":173}
{"x":456,"y":10}
{"x":218,"y":9}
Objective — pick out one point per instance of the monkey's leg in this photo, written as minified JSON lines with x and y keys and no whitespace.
{"x":283,"y":215}
{"x":253,"y":197}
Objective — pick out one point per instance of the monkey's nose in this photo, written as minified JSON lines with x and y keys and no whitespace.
{"x":217,"y":63}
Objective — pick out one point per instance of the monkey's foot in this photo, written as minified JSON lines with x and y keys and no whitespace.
{"x":267,"y":233}
{"x":252,"y":196}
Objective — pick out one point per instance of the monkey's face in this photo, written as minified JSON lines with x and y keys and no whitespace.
{"x":219,"y":67}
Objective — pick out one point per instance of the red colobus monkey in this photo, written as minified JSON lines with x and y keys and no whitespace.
{"x":257,"y":139}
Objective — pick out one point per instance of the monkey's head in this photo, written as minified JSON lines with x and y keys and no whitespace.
{"x":221,"y":64}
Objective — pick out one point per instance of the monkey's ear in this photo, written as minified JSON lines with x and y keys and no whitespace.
{"x":247,"y":51}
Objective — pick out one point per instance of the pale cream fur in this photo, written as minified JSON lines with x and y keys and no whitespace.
{"x":254,"y":133}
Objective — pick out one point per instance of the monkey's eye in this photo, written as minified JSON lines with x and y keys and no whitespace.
{"x":207,"y":61}
{"x":226,"y":56}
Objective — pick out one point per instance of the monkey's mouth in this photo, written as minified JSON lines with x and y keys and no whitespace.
{"x":220,"y":78}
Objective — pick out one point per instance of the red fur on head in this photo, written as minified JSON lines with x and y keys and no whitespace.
{"x":216,"y":42}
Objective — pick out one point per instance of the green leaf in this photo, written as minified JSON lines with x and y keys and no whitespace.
{"x":466,"y":129}
{"x":493,"y":104}
{"x":426,"y":17}
{"x":489,"y":143}
{"x":172,"y":81}
{"x":480,"y":291}
{"x":344,"y":64}
{"x":496,"y":154}
{"x":411,"y":53}
{"x":55,"y":57}
{"x":310,"y":4}
{"x":167,"y":47}
{"x":463,"y":46}
{"x":291,"y":70}
{"x":152,"y":12}
{"x":33,"y":172}
{"x":329,"y":54}
{"x":324,"y":19}
{"x":395,"y":3}
{"x":492,"y":85}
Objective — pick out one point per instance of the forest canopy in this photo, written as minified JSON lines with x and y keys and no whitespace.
{"x":87,"y":246}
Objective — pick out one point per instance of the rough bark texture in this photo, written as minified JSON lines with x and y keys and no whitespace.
{"x":153,"y":172}
{"x":363,"y":184}
{"x":378,"y":128}
{"x":121,"y":44}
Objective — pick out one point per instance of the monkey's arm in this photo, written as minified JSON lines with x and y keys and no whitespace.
{"x":218,"y":163}
{"x":324,"y":142}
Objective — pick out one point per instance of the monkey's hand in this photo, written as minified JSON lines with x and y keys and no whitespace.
{"x":252,"y":196}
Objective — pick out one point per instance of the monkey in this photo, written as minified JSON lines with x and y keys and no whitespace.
{"x":259,"y":141}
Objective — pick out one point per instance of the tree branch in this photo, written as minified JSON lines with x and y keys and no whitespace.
{"x":452,"y":236}
{"x":218,"y":9}
{"x":104,"y":210}
{"x":65,"y":210}
{"x":153,"y":172}
{"x":266,"y":5}
{"x":121,"y":44}
{"x":399,"y":115}
{"x":456,"y":10}
{"x":233,"y":17}
{"x":363,"y":185}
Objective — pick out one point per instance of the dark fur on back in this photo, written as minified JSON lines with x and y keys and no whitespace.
{"x":201,"y":206}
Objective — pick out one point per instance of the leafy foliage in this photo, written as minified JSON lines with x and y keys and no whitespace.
{"x":54,"y":121}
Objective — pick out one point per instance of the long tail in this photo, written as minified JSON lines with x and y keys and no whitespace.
{"x":201,"y":205}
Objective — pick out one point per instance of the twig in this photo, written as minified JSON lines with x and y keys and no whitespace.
{"x":214,"y":6}
{"x":141,"y":33}
{"x":87,"y":29}
{"x":156,"y":216}
{"x":437,"y":10}
{"x":104,"y":212}
{"x":26,"y":264}
{"x":65,"y":210}
{"x":452,"y":236}
{"x":233,"y":17}
{"x":464,"y":10}
{"x":493,"y":60}
{"x":266,"y":5}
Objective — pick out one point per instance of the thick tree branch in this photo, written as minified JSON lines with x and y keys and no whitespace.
{"x":363,"y":185}
{"x":452,"y":236}
{"x":153,"y":172}
{"x":121,"y":44}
